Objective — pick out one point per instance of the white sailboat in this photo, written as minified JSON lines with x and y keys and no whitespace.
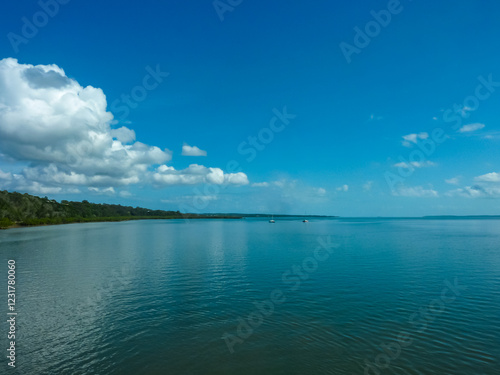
{"x":272,"y":219}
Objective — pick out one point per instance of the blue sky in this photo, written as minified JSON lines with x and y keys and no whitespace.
{"x":342,"y":95}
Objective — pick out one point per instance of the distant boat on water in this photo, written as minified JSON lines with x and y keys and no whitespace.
{"x":305,"y":221}
{"x":272,"y":219}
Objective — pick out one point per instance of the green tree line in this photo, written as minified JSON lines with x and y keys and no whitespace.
{"x":26,"y":209}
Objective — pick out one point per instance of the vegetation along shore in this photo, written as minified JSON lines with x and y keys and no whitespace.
{"x":19,"y":210}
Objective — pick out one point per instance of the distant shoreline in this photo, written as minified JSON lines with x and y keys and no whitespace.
{"x":117,"y":220}
{"x":25,"y":210}
{"x":232,"y":217}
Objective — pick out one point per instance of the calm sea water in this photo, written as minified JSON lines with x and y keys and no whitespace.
{"x":345,"y":296}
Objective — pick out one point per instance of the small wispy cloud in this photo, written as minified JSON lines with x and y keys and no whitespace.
{"x":320,"y":192}
{"x":368,"y":186}
{"x":464,"y":111}
{"x":191,"y":198}
{"x":205,"y":198}
{"x":374,"y":117}
{"x":415,"y":192}
{"x":475,"y":191}
{"x":491,"y":135}
{"x":188,"y":150}
{"x":102,"y":191}
{"x":489,"y":189}
{"x":471,"y":128}
{"x":415,"y":164}
{"x":343,"y":188}
{"x":285,"y":184}
{"x":281,"y":184}
{"x":260,"y":184}
{"x":453,"y":180}
{"x":413,"y":138}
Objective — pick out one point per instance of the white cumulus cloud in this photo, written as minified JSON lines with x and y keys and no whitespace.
{"x":62,"y":134}
{"x":196,"y":174}
{"x":488,"y":177}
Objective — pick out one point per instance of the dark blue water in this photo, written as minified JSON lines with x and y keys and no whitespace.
{"x":353,"y":296}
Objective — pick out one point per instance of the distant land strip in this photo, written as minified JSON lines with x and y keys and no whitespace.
{"x":21,"y":210}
